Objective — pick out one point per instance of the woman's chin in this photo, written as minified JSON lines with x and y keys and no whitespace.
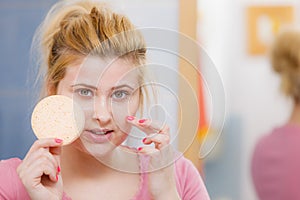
{"x":97,"y":150}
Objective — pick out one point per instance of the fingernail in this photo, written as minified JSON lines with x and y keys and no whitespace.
{"x":142,"y":121}
{"x":58,"y":169}
{"x":57,"y":140}
{"x":130,"y":118}
{"x":140,"y":148}
{"x":144,"y":140}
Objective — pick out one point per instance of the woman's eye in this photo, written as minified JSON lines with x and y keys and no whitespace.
{"x":120,"y":94}
{"x":85,"y":92}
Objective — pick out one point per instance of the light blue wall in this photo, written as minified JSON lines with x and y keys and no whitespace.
{"x":18,"y":21}
{"x":222,"y":172}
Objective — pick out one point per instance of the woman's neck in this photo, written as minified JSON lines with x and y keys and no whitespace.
{"x":295,"y":116}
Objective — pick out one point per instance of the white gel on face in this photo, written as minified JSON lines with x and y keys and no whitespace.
{"x":107,"y":93}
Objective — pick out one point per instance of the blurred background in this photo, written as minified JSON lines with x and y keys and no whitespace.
{"x":235,"y":36}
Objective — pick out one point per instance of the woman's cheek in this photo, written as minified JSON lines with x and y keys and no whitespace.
{"x":120,"y":111}
{"x":86,"y":106}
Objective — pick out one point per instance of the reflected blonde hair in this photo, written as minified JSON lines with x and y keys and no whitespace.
{"x":73,"y":30}
{"x":285,"y":57}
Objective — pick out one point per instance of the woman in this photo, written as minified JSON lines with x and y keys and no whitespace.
{"x":96,"y":57}
{"x":275,"y":162}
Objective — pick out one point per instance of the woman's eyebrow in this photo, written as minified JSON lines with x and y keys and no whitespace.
{"x":121,"y":86}
{"x":95,"y":88}
{"x":84,"y":85}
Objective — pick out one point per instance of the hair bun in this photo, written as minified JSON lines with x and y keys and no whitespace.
{"x":286,"y":52}
{"x":286,"y":61}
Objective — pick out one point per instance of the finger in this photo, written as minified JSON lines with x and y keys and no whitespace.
{"x":45,"y":143}
{"x":146,"y":125}
{"x":151,"y":124}
{"x":41,"y":168}
{"x":160,"y":140}
{"x":32,"y":171}
{"x":42,"y":155}
{"x":167,"y":151}
{"x":56,"y":152}
{"x":148,"y":150}
{"x":157,"y":161}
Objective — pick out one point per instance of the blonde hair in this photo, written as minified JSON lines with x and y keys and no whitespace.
{"x":74,"y":30}
{"x":285,"y":57}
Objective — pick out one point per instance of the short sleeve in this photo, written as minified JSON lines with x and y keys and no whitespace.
{"x":10,"y":184}
{"x":189,"y":182}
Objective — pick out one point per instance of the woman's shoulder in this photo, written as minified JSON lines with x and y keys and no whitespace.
{"x":189,"y":182}
{"x":280,"y":134}
{"x":182,"y":163}
{"x":184,"y":168}
{"x":10,"y":163}
{"x":11,"y":186}
{"x":289,"y":127}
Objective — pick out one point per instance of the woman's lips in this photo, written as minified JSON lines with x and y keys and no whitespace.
{"x":100,"y":131}
{"x":98,"y":135}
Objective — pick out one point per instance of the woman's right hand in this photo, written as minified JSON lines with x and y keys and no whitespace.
{"x":39,"y":171}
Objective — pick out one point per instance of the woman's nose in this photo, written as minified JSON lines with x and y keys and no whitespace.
{"x":102,"y":110}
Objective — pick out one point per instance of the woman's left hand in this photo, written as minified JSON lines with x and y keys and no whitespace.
{"x":162,"y":182}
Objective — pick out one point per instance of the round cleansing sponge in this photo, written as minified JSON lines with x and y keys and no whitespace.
{"x":58,"y":116}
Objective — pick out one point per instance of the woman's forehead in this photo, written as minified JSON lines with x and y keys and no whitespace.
{"x":97,"y":71}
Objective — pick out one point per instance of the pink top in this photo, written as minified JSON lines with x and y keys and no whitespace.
{"x":188,"y":181}
{"x":276,"y":164}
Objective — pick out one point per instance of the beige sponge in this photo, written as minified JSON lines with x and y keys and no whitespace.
{"x":58,"y":116}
